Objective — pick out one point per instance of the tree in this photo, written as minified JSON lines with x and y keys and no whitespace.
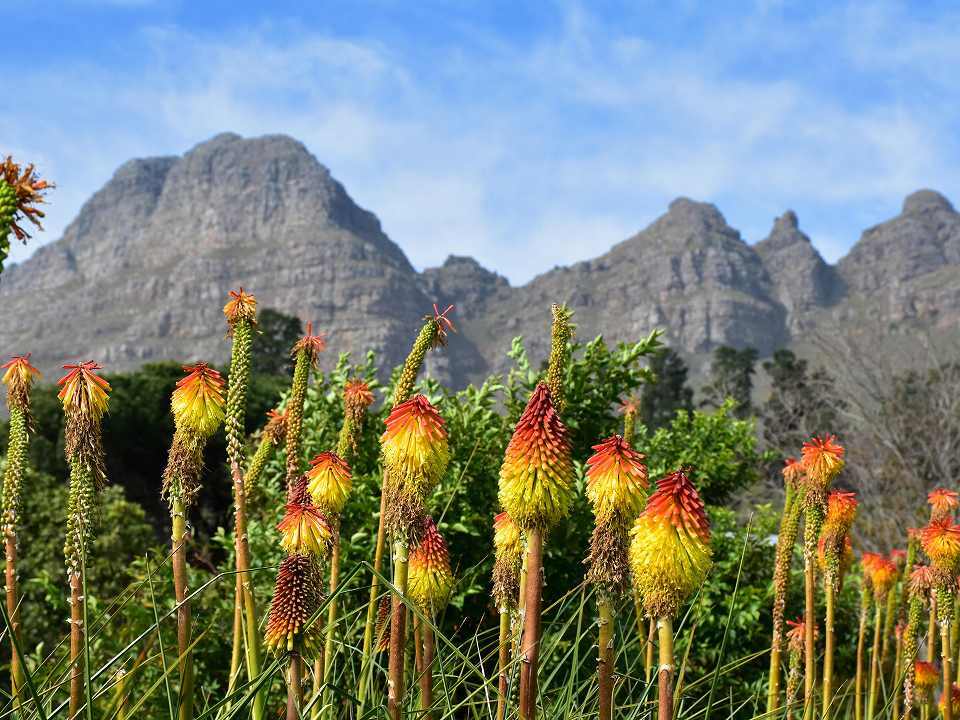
{"x":668,"y":393}
{"x":277,"y":333}
{"x":731,"y":376}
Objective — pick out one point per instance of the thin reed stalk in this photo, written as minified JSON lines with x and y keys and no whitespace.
{"x":829,"y":647}
{"x":875,"y":660}
{"x":666,"y":670}
{"x":861,"y":649}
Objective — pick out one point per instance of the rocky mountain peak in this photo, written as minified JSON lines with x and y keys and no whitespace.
{"x":695,"y":216}
{"x":926,"y":200}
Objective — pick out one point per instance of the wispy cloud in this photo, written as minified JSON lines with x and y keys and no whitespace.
{"x":542,"y":148}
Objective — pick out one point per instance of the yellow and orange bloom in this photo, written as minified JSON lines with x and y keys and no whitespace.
{"x":83,"y":392}
{"x":822,"y":460}
{"x":430,"y":580}
{"x":922,"y":581}
{"x":536,"y":478}
{"x":792,"y":471}
{"x":943,"y":504}
{"x":883,"y":574}
{"x":926,"y":675}
{"x":198,"y":401}
{"x":241,"y":306}
{"x":330,"y":482}
{"x":508,"y":555}
{"x":616,"y":481}
{"x":670,"y":551}
{"x":941,"y":542}
{"x":296,"y":598}
{"x":356,"y":393}
{"x":415,"y":445}
{"x":19,"y":376}
{"x":276,"y":427}
{"x":304,"y":529}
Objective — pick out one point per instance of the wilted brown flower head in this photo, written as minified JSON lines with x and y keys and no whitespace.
{"x":24,"y":192}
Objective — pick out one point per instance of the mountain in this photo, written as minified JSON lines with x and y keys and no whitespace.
{"x":142,"y":273}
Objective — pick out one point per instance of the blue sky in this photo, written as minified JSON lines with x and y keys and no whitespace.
{"x":526,"y":135}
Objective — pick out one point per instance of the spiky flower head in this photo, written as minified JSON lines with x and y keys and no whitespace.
{"x":670,"y":551}
{"x":797,"y":634}
{"x":296,"y":598}
{"x":616,"y":481}
{"x":792,"y":470}
{"x":922,"y":582}
{"x":883,"y":575}
{"x":926,"y":675}
{"x":19,"y":377}
{"x":276,"y":427}
{"x":415,"y":446}
{"x":310,"y":345}
{"x":443,"y":325}
{"x":241,"y":306}
{"x":560,"y":335}
{"x":430,"y":580}
{"x":357,"y":398}
{"x":21,"y":191}
{"x":899,"y":557}
{"x":536,"y":478}
{"x":941,"y":543}
{"x":508,"y":554}
{"x":954,"y":701}
{"x":304,"y":529}
{"x":841,"y":512}
{"x":943,"y":504}
{"x":822,"y":460}
{"x":83,"y":392}
{"x":357,"y":394}
{"x":198,"y":402}
{"x":330,"y":482}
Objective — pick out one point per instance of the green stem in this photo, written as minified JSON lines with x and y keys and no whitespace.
{"x":326,"y":662}
{"x":398,"y":631}
{"x":179,"y":539}
{"x":606,"y":656}
{"x":665,"y":684}
{"x":503,"y":661}
{"x":12,"y":482}
{"x":830,"y":640}
{"x":875,"y":659}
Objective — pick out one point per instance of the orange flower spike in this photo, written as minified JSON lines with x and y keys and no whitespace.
{"x":822,"y":460}
{"x":356,"y":393}
{"x":241,"y":306}
{"x":198,"y":401}
{"x":926,"y":676}
{"x":415,"y":445}
{"x":943,"y":504}
{"x":941,"y":542}
{"x":19,"y":377}
{"x":616,"y":480}
{"x":296,"y":597}
{"x":330,"y":482}
{"x":883,"y":576}
{"x":922,"y":581}
{"x":536,"y":478}
{"x":792,"y":471}
{"x":431,"y":581}
{"x":670,"y":548}
{"x":310,"y":344}
{"x":841,"y":511}
{"x":83,"y":392}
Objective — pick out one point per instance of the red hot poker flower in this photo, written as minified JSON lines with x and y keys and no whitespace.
{"x":82,"y":391}
{"x":444,"y":325}
{"x":822,"y":459}
{"x":310,"y":344}
{"x":241,"y":306}
{"x":943,"y":504}
{"x":941,"y":543}
{"x":616,"y":480}
{"x":19,"y":378}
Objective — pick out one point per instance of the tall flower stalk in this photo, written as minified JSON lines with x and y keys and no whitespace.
{"x":841,"y":511}
{"x":21,"y":191}
{"x":786,"y":542}
{"x":430,"y":585}
{"x":433,"y":334}
{"x":919,"y":586}
{"x":19,"y":377}
{"x":241,"y":314}
{"x":330,"y":484}
{"x":616,"y":488}
{"x":865,"y":596}
{"x":669,"y":558}
{"x":84,"y":396}
{"x":415,"y":452}
{"x":883,"y":577}
{"x":272,"y":436}
{"x":536,"y":488}
{"x":198,"y":408}
{"x":796,"y":638}
{"x":292,"y":630}
{"x":508,"y":551}
{"x":822,"y":461}
{"x":941,"y":543}
{"x":305,"y":352}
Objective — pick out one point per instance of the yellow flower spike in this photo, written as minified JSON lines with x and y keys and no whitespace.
{"x":430,"y":580}
{"x":330,"y":482}
{"x":536,"y":478}
{"x":616,"y":480}
{"x":508,"y":555}
{"x":506,"y":536}
{"x":296,"y":598}
{"x":943,"y":504}
{"x":198,"y":401}
{"x":883,"y":575}
{"x":19,"y":378}
{"x":415,"y":446}
{"x":822,"y":460}
{"x":83,"y":392}
{"x":926,"y":676}
{"x":670,"y":549}
{"x":241,"y":306}
{"x":941,"y":542}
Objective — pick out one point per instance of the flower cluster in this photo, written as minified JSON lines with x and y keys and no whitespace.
{"x":330,"y":482}
{"x":835,"y":534}
{"x":430,"y":581}
{"x":296,"y":599}
{"x":943,"y":504}
{"x":19,"y":376}
{"x":508,"y":554}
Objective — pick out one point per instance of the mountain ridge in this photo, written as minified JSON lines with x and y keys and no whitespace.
{"x":141,"y":273}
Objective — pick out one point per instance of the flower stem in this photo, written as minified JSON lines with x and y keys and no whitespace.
{"x":326,"y":661}
{"x":606,"y":656}
{"x":530,"y":640}
{"x":665,"y":673}
{"x":503,"y":661}
{"x":875,"y":659}
{"x":371,"y":621}
{"x":809,"y":645}
{"x":179,"y":538}
{"x":76,"y":645}
{"x":294,"y":687}
{"x":830,"y":640}
{"x":398,"y":631}
{"x":861,"y":648}
{"x":426,"y":670}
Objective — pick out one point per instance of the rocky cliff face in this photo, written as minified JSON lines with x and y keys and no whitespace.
{"x":142,"y":272}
